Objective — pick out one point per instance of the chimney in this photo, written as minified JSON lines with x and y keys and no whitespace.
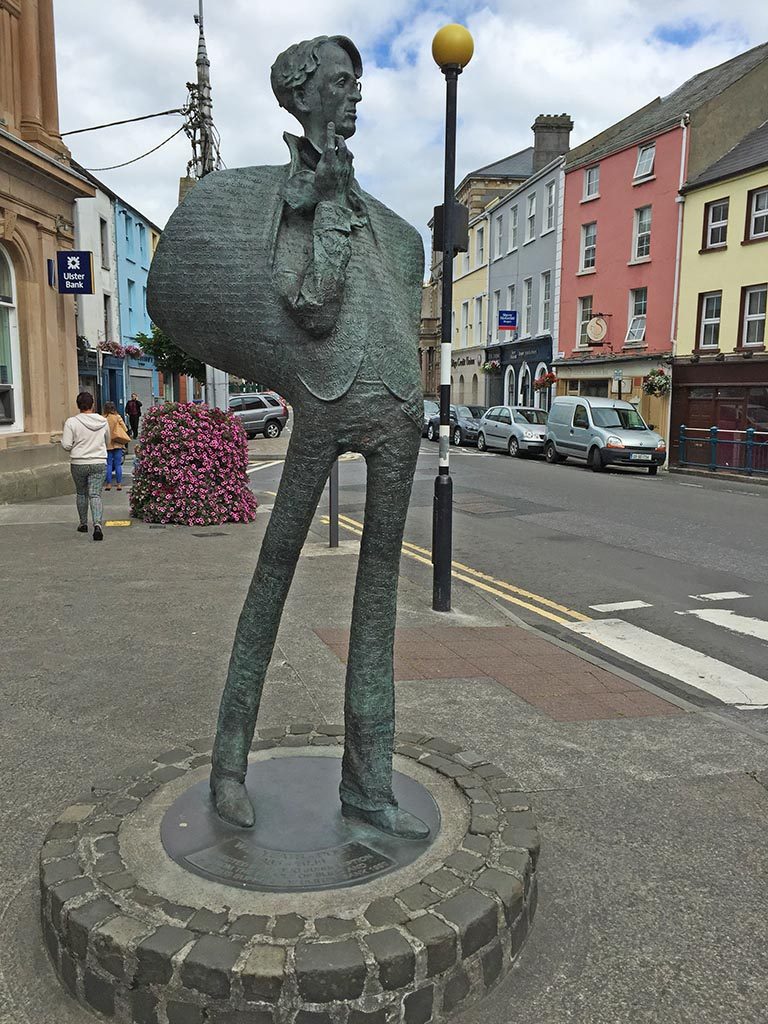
{"x":551,"y":138}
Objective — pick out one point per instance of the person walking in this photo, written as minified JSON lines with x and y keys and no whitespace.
{"x":85,"y":437}
{"x":116,"y":447}
{"x":133,"y":412}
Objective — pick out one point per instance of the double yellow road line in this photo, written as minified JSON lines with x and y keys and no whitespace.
{"x":482,"y":581}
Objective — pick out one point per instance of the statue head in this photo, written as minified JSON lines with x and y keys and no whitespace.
{"x":318,"y":82}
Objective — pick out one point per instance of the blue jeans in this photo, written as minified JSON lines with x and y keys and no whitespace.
{"x":115,"y":462}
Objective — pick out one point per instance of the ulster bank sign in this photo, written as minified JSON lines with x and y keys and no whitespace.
{"x":74,"y":271}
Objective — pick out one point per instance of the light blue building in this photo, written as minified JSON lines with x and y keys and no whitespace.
{"x":135,"y":239}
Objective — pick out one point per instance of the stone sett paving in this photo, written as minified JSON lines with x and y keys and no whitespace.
{"x":563,"y":686}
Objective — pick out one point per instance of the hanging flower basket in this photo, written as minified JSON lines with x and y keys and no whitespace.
{"x":492,"y":366}
{"x":546,"y":380}
{"x":657,"y":382}
{"x":112,"y":348}
{"x":191,"y":468}
{"x":133,"y":351}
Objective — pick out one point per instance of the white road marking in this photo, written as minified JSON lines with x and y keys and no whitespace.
{"x":722,"y":595}
{"x":691,"y":485}
{"x":620,"y":606}
{"x":264,"y":465}
{"x":744,"y":624}
{"x":725,"y":682}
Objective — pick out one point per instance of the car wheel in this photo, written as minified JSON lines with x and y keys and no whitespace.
{"x":272,"y":429}
{"x":513,"y":448}
{"x":550,"y":454}
{"x":596,"y":463}
{"x":457,"y":438}
{"x":481,"y":443}
{"x":653,"y":470}
{"x":430,"y":433}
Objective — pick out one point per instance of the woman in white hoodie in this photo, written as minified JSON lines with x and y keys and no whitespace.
{"x":86,"y":437}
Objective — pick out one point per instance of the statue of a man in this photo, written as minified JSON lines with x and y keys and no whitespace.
{"x":294,"y":276}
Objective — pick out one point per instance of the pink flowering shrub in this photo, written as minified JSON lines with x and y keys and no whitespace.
{"x":191,"y":468}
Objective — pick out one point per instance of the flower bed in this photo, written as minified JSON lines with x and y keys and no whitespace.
{"x":191,"y":468}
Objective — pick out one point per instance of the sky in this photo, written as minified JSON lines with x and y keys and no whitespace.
{"x":597,"y":60}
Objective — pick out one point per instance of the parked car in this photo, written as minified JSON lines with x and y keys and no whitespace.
{"x":431,"y":408}
{"x":515,"y":429}
{"x":463,"y":424}
{"x":263,"y":412}
{"x":602,"y":432}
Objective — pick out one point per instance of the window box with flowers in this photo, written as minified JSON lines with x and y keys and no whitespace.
{"x":546,"y":380}
{"x":134,"y":352}
{"x":112,"y":348}
{"x":492,"y":366}
{"x":657,"y":382}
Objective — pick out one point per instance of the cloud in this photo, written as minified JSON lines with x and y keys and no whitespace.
{"x":596,"y":60}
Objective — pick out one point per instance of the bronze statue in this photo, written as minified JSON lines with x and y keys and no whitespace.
{"x":294,"y":276}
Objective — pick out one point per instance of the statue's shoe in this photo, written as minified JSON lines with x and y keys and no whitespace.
{"x":232,"y":802}
{"x":393,"y":820}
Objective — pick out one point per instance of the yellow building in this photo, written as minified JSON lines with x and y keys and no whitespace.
{"x":469,"y":334}
{"x":38,"y":187}
{"x":720,"y":369}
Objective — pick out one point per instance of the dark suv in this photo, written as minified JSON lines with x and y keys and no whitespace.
{"x":264,"y":413}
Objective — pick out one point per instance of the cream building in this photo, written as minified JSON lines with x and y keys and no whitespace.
{"x":38,"y":350}
{"x":469,"y":333}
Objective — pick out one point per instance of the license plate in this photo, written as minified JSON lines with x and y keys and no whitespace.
{"x":641,"y":456}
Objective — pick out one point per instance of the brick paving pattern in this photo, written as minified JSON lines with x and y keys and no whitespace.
{"x":562,"y":685}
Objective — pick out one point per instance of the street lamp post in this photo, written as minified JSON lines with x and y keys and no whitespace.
{"x":452,"y":50}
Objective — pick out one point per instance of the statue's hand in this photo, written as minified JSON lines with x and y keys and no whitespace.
{"x":333,"y":176}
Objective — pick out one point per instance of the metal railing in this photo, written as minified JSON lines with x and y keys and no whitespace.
{"x":737,"y":451}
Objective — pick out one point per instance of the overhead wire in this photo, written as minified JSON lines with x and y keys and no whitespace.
{"x":114,"y":167}
{"x":128,"y":120}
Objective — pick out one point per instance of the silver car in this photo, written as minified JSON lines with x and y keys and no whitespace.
{"x":264,"y":413}
{"x":602,"y":432}
{"x":515,"y":429}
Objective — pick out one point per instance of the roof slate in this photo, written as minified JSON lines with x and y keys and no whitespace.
{"x":747,"y":155}
{"x":514,"y":166}
{"x":663,"y":112}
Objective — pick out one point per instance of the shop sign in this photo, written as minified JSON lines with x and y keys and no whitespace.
{"x":75,"y":272}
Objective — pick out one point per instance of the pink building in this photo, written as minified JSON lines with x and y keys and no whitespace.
{"x":622,"y":228}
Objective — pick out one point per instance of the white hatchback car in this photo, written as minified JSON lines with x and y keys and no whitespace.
{"x":515,"y":429}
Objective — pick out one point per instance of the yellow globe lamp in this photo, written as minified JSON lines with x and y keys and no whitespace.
{"x":453,"y":46}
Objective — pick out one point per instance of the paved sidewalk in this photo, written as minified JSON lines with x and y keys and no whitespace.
{"x":653,"y":873}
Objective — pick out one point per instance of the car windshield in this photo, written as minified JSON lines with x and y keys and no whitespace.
{"x":530,"y":416}
{"x":624,"y":419}
{"x":462,"y":411}
{"x":477,"y":411}
{"x":430,"y":407}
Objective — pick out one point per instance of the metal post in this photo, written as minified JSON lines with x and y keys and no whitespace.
{"x":443,"y":503}
{"x":682,"y":444}
{"x":713,"y":448}
{"x":750,"y":452}
{"x":333,"y":506}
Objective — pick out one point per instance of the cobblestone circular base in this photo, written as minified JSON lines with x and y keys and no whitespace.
{"x":416,"y":953}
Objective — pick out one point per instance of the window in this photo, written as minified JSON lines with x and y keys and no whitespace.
{"x":478,"y":335}
{"x":709,"y":319}
{"x":580,"y":418}
{"x":753,"y":331}
{"x":498,"y":249}
{"x":550,"y":220}
{"x":495,"y":307}
{"x":527,"y":306}
{"x":757,"y":214}
{"x":479,"y":247}
{"x":144,"y":312}
{"x":530,"y":217}
{"x":504,"y":416}
{"x":108,"y":318}
{"x":510,"y":296}
{"x":641,"y":248}
{"x":142,"y":239}
{"x":585,"y":315}
{"x":513,"y":229}
{"x":715,"y":224}
{"x":131,"y":307}
{"x":545,"y":298}
{"x":254,"y":402}
{"x":128,"y":234}
{"x":464,"y":324}
{"x":645,"y":159}
{"x":104,"y":242}
{"x":11,"y":414}
{"x":588,"y":246}
{"x":592,"y":182}
{"x":638,"y":308}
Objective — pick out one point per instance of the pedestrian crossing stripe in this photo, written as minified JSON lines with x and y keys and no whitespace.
{"x":118,"y":522}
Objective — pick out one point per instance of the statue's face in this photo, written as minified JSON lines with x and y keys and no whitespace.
{"x":331,"y":94}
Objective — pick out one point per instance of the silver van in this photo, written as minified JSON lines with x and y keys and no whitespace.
{"x":515,"y":429}
{"x":602,"y":432}
{"x":264,"y":413}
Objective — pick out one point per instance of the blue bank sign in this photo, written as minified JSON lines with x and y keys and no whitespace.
{"x":75,"y":272}
{"x":507,"y":319}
